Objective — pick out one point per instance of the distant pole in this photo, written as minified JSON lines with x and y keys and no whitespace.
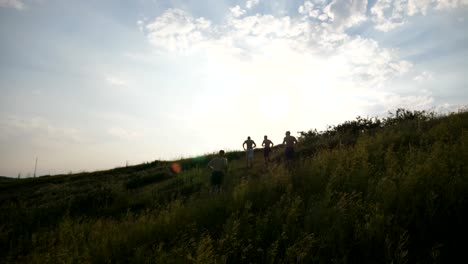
{"x":35,"y":167}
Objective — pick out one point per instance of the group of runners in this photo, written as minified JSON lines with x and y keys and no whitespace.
{"x":219,"y":164}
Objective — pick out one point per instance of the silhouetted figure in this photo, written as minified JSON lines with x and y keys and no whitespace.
{"x":249,"y":151}
{"x":290,"y":142}
{"x":219,"y":167}
{"x":267,"y":144}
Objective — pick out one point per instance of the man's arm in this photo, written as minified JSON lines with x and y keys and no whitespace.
{"x":295,"y":140}
{"x":243,"y":145}
{"x":254,"y":145}
{"x":263,"y":143}
{"x":271,"y":143}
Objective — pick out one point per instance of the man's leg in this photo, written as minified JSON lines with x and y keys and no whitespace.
{"x":251,"y":158}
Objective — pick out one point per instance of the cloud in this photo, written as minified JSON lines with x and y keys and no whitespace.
{"x":414,"y":102}
{"x":237,"y":11}
{"x":17,"y":4}
{"x":249,"y":4}
{"x":140,"y":24}
{"x":38,"y":129}
{"x":115,"y":81}
{"x":312,"y":10}
{"x":311,"y":53}
{"x":124,"y":126}
{"x":449,"y":4}
{"x":424,"y":76}
{"x":345,"y":14}
{"x":252,"y":37}
{"x":176,"y":30}
{"x":123,"y":133}
{"x":390,"y":14}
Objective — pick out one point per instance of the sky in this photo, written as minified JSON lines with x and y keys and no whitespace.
{"x":93,"y":85}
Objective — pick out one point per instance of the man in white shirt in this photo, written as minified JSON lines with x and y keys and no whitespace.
{"x":219,"y":167}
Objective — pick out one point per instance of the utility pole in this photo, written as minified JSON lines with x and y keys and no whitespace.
{"x":35,"y":167}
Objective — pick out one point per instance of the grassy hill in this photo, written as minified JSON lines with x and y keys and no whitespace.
{"x":4,"y":178}
{"x":392,"y":190}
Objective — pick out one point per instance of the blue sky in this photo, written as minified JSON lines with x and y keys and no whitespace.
{"x":90,"y":85}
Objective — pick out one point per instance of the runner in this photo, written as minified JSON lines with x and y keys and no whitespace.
{"x":266,"y":151}
{"x":249,"y":151}
{"x":219,"y":166}
{"x":290,"y":142}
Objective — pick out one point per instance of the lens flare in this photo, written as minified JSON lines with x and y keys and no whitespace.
{"x":176,"y":168}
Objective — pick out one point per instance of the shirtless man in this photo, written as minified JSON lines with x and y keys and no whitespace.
{"x":290,"y":142}
{"x":249,"y":151}
{"x":266,"y":151}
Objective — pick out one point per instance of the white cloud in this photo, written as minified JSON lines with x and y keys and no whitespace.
{"x":140,"y":24}
{"x":413,"y":102}
{"x":345,"y":13}
{"x":115,"y":81}
{"x":418,"y":7}
{"x":17,"y":4}
{"x":424,"y":76}
{"x":320,"y":27}
{"x":263,"y":53}
{"x":385,"y":16}
{"x":237,"y":11}
{"x":390,"y":14}
{"x":308,"y":9}
{"x":176,"y":30}
{"x":449,"y":4}
{"x":369,"y":64}
{"x":310,"y":54}
{"x":123,"y":133}
{"x":253,"y":36}
{"x":249,"y":4}
{"x":38,"y":129}
{"x":123,"y":126}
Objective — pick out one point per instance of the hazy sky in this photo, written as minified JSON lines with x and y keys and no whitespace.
{"x":88,"y":85}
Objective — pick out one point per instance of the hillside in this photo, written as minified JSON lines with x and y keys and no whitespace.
{"x":390,"y":190}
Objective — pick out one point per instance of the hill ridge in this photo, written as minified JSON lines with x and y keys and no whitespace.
{"x":365,"y":191}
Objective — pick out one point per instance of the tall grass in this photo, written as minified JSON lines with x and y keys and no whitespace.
{"x":370,"y":191}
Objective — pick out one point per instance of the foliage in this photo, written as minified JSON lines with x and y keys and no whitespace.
{"x":366,"y":191}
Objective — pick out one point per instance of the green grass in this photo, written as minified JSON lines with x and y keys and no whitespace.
{"x":366,"y":191}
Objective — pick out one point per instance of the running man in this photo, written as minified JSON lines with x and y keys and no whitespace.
{"x":219,"y":167}
{"x":266,"y":151}
{"x":249,"y":151}
{"x":290,"y":142}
